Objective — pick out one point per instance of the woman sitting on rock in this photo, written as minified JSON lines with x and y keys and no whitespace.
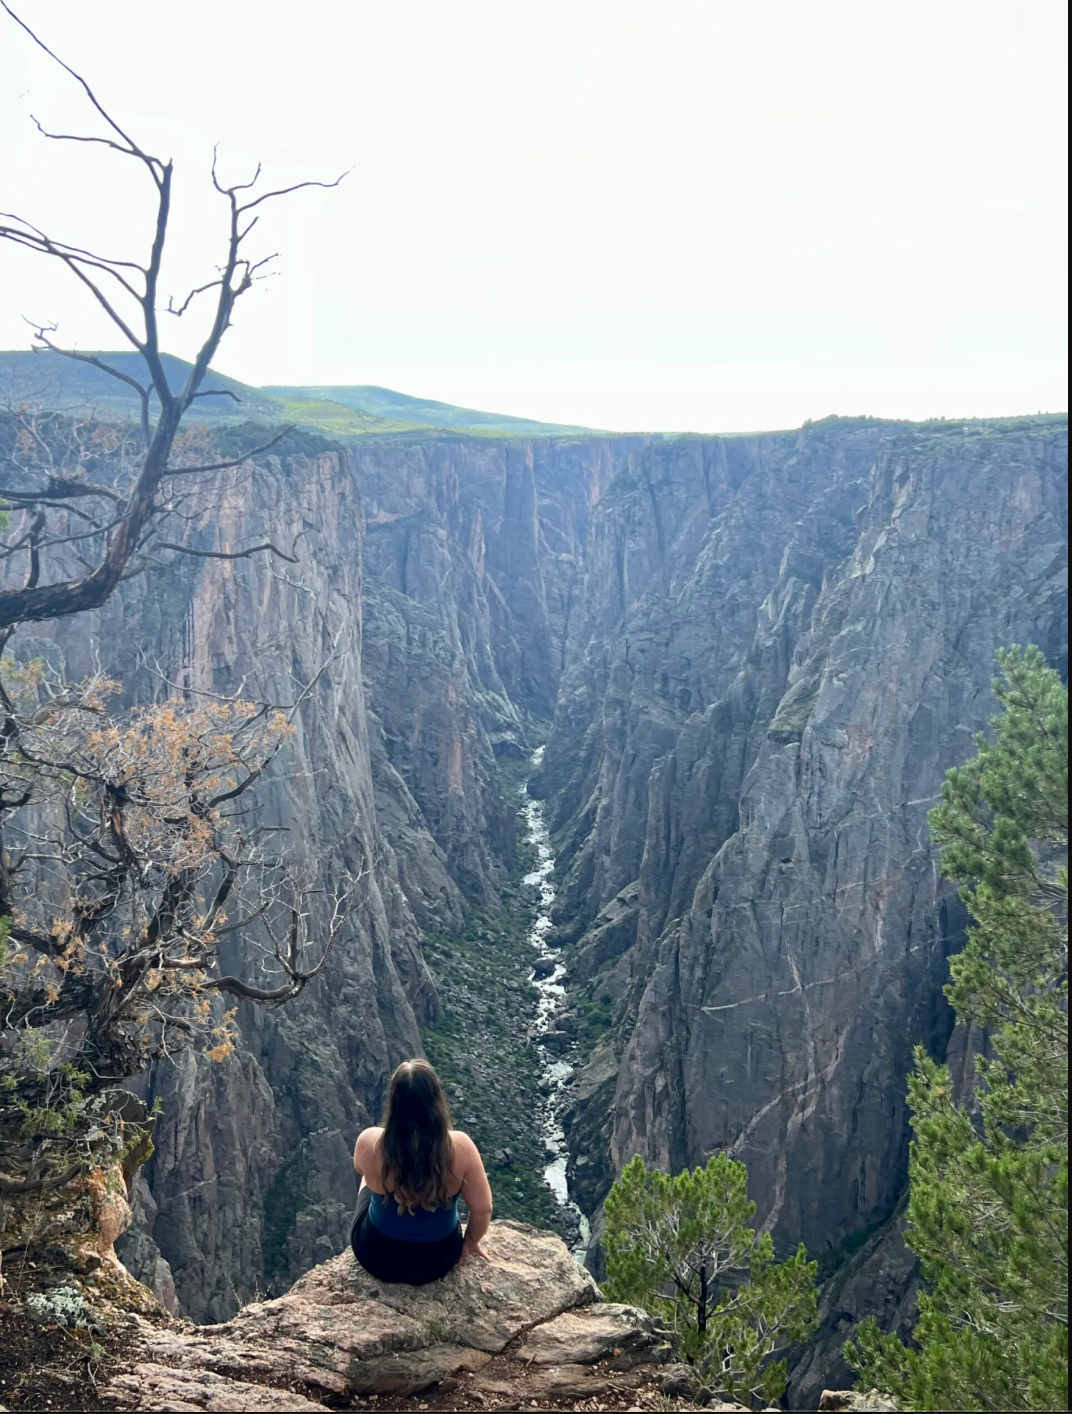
{"x":413,"y":1170}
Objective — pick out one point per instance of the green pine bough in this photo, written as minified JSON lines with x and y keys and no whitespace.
{"x":681,"y":1248}
{"x":988,"y":1172}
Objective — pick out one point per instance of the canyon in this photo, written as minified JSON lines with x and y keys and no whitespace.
{"x":749,"y":662}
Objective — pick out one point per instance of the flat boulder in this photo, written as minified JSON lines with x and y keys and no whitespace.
{"x":529,"y":1277}
{"x":530,"y":1312}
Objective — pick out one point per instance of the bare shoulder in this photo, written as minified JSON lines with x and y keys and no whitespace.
{"x":465,"y":1150}
{"x":368,"y":1139}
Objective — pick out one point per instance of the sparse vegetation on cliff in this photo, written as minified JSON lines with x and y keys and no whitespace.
{"x":480,"y":1046}
{"x":480,"y":1049}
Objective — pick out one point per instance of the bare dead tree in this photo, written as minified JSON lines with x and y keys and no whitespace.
{"x":126,"y":861}
{"x":68,"y":477}
{"x":119,"y":521}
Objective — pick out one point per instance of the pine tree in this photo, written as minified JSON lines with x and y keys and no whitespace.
{"x":681,"y":1248}
{"x":988,"y":1203}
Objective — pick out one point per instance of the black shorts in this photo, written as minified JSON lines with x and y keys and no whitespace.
{"x":390,"y":1259}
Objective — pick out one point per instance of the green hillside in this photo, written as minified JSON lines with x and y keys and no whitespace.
{"x":58,"y":382}
{"x":340,"y":420}
{"x":424,"y":412}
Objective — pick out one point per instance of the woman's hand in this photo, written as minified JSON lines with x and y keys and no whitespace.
{"x":472,"y":1248}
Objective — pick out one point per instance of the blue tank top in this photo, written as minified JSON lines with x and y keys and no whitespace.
{"x":420,"y":1225}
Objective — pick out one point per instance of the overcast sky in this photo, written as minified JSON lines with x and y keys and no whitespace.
{"x":712,"y":215}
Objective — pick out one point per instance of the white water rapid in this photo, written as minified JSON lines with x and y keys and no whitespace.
{"x":555,"y":1071}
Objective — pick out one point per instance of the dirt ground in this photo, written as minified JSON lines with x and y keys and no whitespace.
{"x":48,"y":1367}
{"x":502,"y":1387}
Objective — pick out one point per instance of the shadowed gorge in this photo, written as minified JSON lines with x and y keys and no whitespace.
{"x":751,"y":659}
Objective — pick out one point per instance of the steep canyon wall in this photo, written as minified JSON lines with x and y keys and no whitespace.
{"x":759,"y":654}
{"x":785,"y":643}
{"x":251,"y":1179}
{"x":426,"y":666}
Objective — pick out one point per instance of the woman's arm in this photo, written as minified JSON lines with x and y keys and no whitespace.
{"x":476,"y":1190}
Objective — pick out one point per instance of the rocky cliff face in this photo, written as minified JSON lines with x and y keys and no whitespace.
{"x":241,"y":1192}
{"x":760,"y":655}
{"x":427,"y":666}
{"x":473,"y":555}
{"x":785,"y":641}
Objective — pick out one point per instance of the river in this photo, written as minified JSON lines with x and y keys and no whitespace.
{"x":555,"y":1070}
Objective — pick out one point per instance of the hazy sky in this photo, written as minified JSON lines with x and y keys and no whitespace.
{"x":664,"y":214}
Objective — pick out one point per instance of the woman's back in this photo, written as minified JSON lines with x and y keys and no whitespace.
{"x":413,"y":1170}
{"x":466,"y":1169}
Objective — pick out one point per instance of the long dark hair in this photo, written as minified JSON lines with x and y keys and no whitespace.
{"x":418,"y":1153}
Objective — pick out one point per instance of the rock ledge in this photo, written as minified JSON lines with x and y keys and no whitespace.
{"x":530,"y":1312}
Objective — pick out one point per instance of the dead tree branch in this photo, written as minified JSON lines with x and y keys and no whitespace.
{"x":128,"y":292}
